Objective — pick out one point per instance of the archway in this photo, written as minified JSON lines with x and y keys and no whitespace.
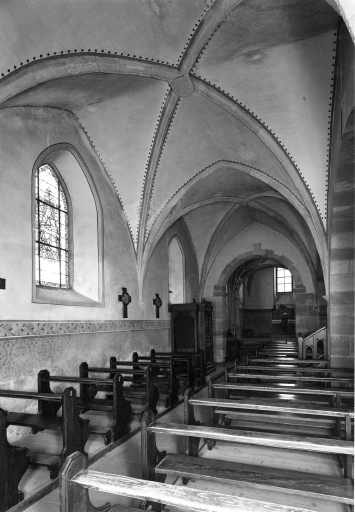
{"x":307,"y":318}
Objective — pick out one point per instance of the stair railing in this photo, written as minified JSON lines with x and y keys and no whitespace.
{"x":313,"y":341}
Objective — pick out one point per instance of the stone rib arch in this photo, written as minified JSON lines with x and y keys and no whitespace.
{"x":259,"y":253}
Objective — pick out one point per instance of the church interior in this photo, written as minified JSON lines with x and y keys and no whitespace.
{"x":177,"y":182}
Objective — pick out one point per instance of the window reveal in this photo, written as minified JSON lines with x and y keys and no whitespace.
{"x":52,"y":239}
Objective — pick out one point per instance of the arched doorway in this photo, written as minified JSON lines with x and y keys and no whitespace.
{"x":306,"y":301}
{"x":261,"y":300}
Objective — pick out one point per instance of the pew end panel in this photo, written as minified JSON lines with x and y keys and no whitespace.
{"x":121,"y":411}
{"x":191,"y":443}
{"x":87,"y":391}
{"x":75,"y":497}
{"x":152,"y":392}
{"x":150,"y":457}
{"x":14,"y":462}
{"x":43,"y":386}
{"x":150,"y":454}
{"x":76,"y":431}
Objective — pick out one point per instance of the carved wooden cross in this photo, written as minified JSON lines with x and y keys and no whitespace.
{"x":125,"y":298}
{"x":157,"y":303}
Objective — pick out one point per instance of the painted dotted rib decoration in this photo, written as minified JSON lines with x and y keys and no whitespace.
{"x":207,"y":43}
{"x":330,"y":113}
{"x":194,"y":29}
{"x":162,"y":109}
{"x":106,"y":170}
{"x":148,"y":231}
{"x":267,"y":128}
{"x":102,"y":53}
{"x":159,"y":157}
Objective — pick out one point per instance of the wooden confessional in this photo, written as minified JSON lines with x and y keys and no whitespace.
{"x":191,"y":329}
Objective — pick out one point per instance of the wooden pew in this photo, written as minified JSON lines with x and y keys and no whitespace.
{"x":142,"y":388}
{"x":288,"y":360}
{"x":14,"y":462}
{"x":75,"y":481}
{"x":289,"y":369}
{"x":184,"y":369}
{"x":334,"y":395}
{"x":76,"y":430}
{"x":197,"y":361}
{"x":292,"y":378}
{"x":276,"y":352}
{"x":118,"y":406}
{"x":165,"y":378}
{"x":156,"y":465}
{"x":232,"y":408}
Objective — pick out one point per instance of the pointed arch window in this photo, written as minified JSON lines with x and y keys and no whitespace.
{"x":176,"y":272}
{"x":52,"y":229}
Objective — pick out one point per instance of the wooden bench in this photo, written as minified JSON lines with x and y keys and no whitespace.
{"x":334,"y":395}
{"x":276,"y":351}
{"x":310,"y":415}
{"x":183,"y":366}
{"x":118,"y":406}
{"x":76,"y":430}
{"x":14,"y":462}
{"x":290,"y":369}
{"x":293,"y":378}
{"x":197,"y":361}
{"x":288,"y":360}
{"x":142,"y":388}
{"x":156,"y":465}
{"x":164,"y":374}
{"x":76,"y":480}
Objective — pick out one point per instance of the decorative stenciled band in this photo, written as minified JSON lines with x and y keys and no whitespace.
{"x":23,"y":329}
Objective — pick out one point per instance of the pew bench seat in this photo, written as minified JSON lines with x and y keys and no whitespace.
{"x":294,"y":378}
{"x":287,"y":360}
{"x":331,"y":393}
{"x":280,"y":369}
{"x":74,"y":486}
{"x":275,"y":406}
{"x":290,"y":482}
{"x":303,"y":443}
{"x":35,"y":421}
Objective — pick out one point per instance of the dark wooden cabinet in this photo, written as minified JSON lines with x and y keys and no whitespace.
{"x":192,"y":329}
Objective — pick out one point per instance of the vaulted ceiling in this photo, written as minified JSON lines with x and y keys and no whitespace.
{"x":216,"y":112}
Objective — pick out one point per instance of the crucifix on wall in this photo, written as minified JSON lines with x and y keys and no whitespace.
{"x":125,"y":298}
{"x":157,"y":303}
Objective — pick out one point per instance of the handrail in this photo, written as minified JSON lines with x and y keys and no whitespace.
{"x":311,"y":341}
{"x":316,"y":332}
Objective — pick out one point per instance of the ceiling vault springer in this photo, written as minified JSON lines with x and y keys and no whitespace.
{"x":162,"y":130}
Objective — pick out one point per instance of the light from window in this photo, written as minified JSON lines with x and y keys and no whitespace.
{"x":52,"y":247}
{"x":283,"y":280}
{"x":176,"y":272}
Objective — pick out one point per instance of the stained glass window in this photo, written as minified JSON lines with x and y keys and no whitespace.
{"x":52,"y":232}
{"x":283,"y":280}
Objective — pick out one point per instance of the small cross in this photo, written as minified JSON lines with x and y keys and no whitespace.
{"x":157,"y":303}
{"x":125,"y":298}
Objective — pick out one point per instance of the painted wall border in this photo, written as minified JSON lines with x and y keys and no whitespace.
{"x":27,"y":329}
